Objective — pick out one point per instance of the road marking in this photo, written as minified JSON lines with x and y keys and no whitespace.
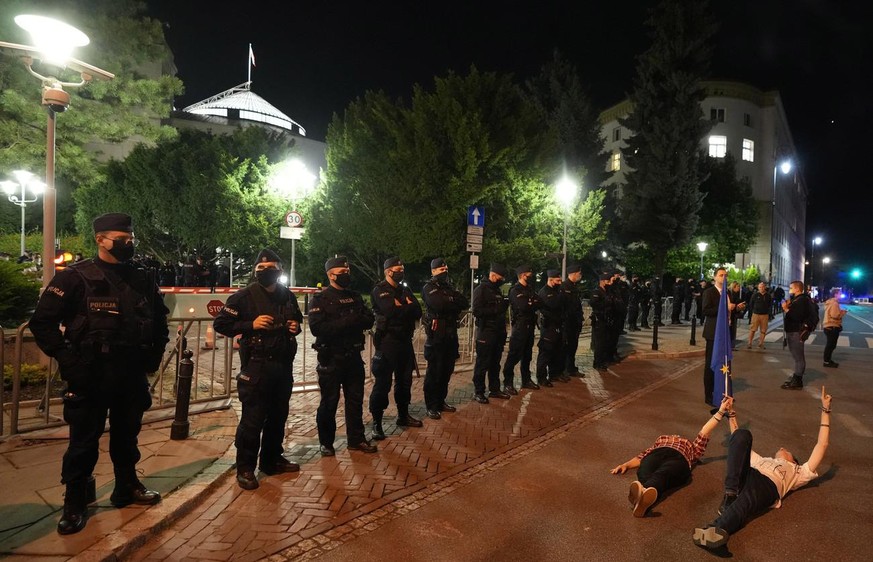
{"x":771,"y":359}
{"x":869,"y":342}
{"x":843,"y":341}
{"x":861,"y":320}
{"x":773,"y":336}
{"x":854,"y":425}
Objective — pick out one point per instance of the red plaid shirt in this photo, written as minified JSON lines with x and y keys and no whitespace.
{"x":691,"y":451}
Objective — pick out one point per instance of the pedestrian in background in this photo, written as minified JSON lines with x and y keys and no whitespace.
{"x":115,"y":331}
{"x":645,"y":304}
{"x":268,"y":318}
{"x":833,"y":325}
{"x":759,"y":311}
{"x":337,"y":319}
{"x":801,"y":318}
{"x":397,"y":311}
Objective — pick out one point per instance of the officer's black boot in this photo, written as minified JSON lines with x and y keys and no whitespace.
{"x":128,"y":490}
{"x":91,"y":490}
{"x":378,"y":432}
{"x":75,"y":513}
{"x":404,"y":419}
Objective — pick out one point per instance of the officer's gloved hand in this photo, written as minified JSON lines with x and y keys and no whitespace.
{"x":74,"y":370}
{"x":152,"y":361}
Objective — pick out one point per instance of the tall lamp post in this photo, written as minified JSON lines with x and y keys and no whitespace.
{"x":815,"y":242}
{"x":702,"y":247}
{"x":566,"y":191}
{"x":825,"y":261}
{"x":54,"y":42}
{"x":16,"y":192}
{"x":785,"y":167}
{"x":293,"y":180}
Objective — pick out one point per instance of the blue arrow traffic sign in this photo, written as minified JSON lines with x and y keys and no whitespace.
{"x":476,"y":215}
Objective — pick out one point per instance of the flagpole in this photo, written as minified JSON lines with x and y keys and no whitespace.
{"x":249,"y":61}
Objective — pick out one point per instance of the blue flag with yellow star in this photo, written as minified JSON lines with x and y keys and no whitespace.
{"x":722,"y":351}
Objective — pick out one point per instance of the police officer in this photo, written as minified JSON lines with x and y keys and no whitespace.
{"x":550,"y":360}
{"x":690,"y":290}
{"x":268,"y":317}
{"x":600,"y":314}
{"x":337,"y":319}
{"x":658,"y":300}
{"x":678,"y":299}
{"x":616,"y":313}
{"x":115,"y":332}
{"x":524,"y":303}
{"x":397,"y":311}
{"x":573,"y":319}
{"x":489,"y":308}
{"x":645,"y":297}
{"x":633,"y":304}
{"x":443,"y":307}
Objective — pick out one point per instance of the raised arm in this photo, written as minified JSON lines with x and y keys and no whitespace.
{"x":727,"y":404}
{"x":823,"y":432}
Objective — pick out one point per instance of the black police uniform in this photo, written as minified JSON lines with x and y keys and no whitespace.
{"x":524,"y":303}
{"x":265,"y":379}
{"x":550,"y":359}
{"x":678,"y":299}
{"x":573,"y":321}
{"x":658,"y":302}
{"x":115,"y":333}
{"x":443,"y":306}
{"x":616,"y":311}
{"x":645,"y":296}
{"x":600,"y":317}
{"x":633,"y":305}
{"x":337,"y":319}
{"x":689,"y":298}
{"x":395,"y":325}
{"x":489,"y":308}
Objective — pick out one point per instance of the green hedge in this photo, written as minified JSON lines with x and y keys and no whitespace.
{"x":19,"y":292}
{"x":31,"y":375}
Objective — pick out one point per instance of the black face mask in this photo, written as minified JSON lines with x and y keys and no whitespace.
{"x":344,"y":280}
{"x":442,"y":277}
{"x":267,"y":277}
{"x":397,"y":276}
{"x":499,"y":282}
{"x":122,"y":251}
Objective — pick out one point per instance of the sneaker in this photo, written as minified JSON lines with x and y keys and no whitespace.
{"x":511,"y":390}
{"x":480,"y":398}
{"x":831,"y":364}
{"x":634,"y":493}
{"x":794,"y":383}
{"x":648,"y":497}
{"x":726,"y":502}
{"x":710,"y":537}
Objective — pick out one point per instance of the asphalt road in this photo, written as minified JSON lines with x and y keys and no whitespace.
{"x":561,"y":503}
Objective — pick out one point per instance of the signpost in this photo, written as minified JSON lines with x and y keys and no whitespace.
{"x":475,"y":238}
{"x":294,"y":230}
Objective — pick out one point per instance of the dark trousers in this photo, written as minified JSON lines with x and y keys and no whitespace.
{"x":663,"y":469}
{"x":677,"y":310}
{"x":521,"y":341}
{"x":755,"y":492}
{"x":571,"y":344}
{"x":395,"y":357}
{"x":708,"y":374}
{"x":832,"y":335}
{"x":337,"y":372}
{"x":120,"y":391}
{"x":600,"y":342}
{"x":441,"y":354}
{"x":644,"y":314}
{"x":688,"y":308}
{"x":659,"y":310}
{"x":550,"y":359}
{"x":261,"y":426}
{"x":489,"y":349}
{"x":633,"y":312}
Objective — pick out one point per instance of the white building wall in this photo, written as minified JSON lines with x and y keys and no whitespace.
{"x":760,"y":117}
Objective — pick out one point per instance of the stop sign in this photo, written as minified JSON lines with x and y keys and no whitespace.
{"x":214,"y":307}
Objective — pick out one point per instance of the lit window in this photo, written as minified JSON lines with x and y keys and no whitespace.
{"x":748,"y":150}
{"x":615,"y":162}
{"x":616,"y":134}
{"x":716,"y":114}
{"x":717,"y":146}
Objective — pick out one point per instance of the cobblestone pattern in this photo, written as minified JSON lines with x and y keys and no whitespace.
{"x":332,"y":500}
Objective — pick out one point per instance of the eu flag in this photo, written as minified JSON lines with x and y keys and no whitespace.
{"x":722,"y":351}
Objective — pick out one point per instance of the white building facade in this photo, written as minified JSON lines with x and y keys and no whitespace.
{"x":750,"y":124}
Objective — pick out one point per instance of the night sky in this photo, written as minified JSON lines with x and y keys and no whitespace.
{"x":314,"y":57}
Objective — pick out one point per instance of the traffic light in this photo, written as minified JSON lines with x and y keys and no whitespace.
{"x":856,"y":273}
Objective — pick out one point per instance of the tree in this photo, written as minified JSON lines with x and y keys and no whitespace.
{"x":123,"y":41}
{"x":18,"y":293}
{"x":661,"y":198}
{"x":194,"y":193}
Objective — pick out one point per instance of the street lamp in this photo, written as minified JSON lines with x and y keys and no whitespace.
{"x":293,"y":180}
{"x":566,"y":191}
{"x":54,"y":41}
{"x":815,"y":242}
{"x":785,"y":166}
{"x":16,"y":192}
{"x":702,"y":247}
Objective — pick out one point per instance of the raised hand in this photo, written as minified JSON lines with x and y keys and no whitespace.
{"x":825,"y":399}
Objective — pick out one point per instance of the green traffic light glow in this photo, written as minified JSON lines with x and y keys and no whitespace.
{"x":856,"y":273}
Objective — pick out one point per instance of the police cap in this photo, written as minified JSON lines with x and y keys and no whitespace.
{"x":552,"y":273}
{"x":437,"y":263}
{"x":267,"y":255}
{"x":392,"y":262}
{"x":337,"y":261}
{"x":500,"y":270}
{"x":118,"y":222}
{"x":574,"y":268}
{"x":605,"y":276}
{"x":522,"y":269}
